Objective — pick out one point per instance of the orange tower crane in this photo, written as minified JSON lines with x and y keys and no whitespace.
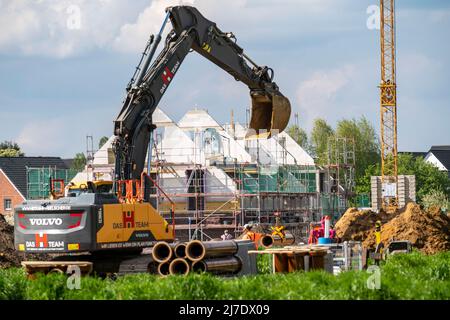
{"x":388,"y":101}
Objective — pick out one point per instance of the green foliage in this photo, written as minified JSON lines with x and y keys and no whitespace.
{"x":10,"y":149}
{"x":320,"y":134}
{"x":407,"y":276}
{"x":428,"y":177}
{"x":102,"y":141}
{"x":300,"y":136}
{"x":79,"y":162}
{"x":264,"y":263}
{"x":363,"y":181}
{"x":47,"y":287}
{"x":416,"y":276}
{"x":13,"y":284}
{"x":436,"y":198}
{"x":367,"y":145}
{"x":4,"y":153}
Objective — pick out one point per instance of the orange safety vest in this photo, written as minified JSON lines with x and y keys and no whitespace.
{"x":249,"y":236}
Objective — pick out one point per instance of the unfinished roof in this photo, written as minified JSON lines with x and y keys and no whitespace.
{"x":280,"y":149}
{"x":198,"y":118}
{"x":233,"y":149}
{"x":177,"y":147}
{"x":295,"y":150}
{"x":161,"y":119}
{"x":104,"y":154}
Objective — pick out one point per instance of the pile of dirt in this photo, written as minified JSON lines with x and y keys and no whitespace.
{"x":8,"y":256}
{"x":358,"y":225}
{"x":429,"y":231}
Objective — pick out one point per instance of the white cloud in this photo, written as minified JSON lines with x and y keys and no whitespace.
{"x":50,"y":27}
{"x":316,"y":95}
{"x":133,"y":36}
{"x":61,"y":28}
{"x":42,"y":137}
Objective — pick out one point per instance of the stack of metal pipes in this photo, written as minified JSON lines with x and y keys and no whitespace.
{"x":216,"y":257}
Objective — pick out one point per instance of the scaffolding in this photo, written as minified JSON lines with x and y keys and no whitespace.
{"x":204,"y":201}
{"x":216,"y":179}
{"x":210,"y":199}
{"x":340,"y":176}
{"x":38,"y":180}
{"x":288,"y":190}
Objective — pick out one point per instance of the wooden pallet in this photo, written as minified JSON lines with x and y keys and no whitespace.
{"x":33,"y":267}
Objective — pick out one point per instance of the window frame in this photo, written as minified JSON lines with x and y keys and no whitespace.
{"x":5,"y":201}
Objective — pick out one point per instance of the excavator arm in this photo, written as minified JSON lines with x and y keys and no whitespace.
{"x":191,"y":31}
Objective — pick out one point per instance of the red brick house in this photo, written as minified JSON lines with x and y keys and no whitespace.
{"x":10,"y":196}
{"x":13,"y":178}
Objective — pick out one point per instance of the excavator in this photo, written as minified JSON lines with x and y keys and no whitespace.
{"x":112,"y":228}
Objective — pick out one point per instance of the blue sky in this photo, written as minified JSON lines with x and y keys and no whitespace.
{"x":62,"y":77}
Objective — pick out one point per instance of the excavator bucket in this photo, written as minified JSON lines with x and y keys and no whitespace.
{"x":268,"y":114}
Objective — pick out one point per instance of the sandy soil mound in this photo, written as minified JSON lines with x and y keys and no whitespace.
{"x":429,"y":231}
{"x":357,"y":225}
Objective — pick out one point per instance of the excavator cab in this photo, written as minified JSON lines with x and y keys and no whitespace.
{"x":270,"y":115}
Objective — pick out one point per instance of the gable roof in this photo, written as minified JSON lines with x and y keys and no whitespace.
{"x":442,"y":153}
{"x":12,"y":184}
{"x":16,"y":168}
{"x":161,"y":119}
{"x":198,"y":118}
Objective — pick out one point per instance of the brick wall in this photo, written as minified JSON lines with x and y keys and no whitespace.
{"x":8,"y":191}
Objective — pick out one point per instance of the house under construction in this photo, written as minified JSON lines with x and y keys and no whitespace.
{"x":213,"y":178}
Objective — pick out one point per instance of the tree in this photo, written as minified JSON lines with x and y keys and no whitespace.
{"x":102,"y":141}
{"x":367,"y":144}
{"x":436,"y":198}
{"x":79,"y":162}
{"x":320,"y":134}
{"x":10,"y":149}
{"x":428,"y":176}
{"x":300,"y":136}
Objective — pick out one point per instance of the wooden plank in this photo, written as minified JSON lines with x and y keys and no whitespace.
{"x":31,"y":267}
{"x":55,"y":263}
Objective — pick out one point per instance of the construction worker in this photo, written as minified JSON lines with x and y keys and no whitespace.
{"x":317,"y":230}
{"x":378,"y":244}
{"x":377,"y":232}
{"x":314,"y":233}
{"x":226,"y":236}
{"x":248,"y":234}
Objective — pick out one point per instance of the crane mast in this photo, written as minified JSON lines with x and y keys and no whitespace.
{"x":388,"y":103}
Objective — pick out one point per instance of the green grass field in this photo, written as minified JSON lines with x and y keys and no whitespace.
{"x":413,"y":276}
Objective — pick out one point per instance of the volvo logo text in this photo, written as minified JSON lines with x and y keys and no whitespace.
{"x":46,"y":222}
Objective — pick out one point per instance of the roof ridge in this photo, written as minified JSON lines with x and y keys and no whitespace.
{"x":440,"y":147}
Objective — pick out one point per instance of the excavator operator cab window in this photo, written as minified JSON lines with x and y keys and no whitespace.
{"x":104,"y":188}
{"x":90,"y":187}
{"x":75,"y":192}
